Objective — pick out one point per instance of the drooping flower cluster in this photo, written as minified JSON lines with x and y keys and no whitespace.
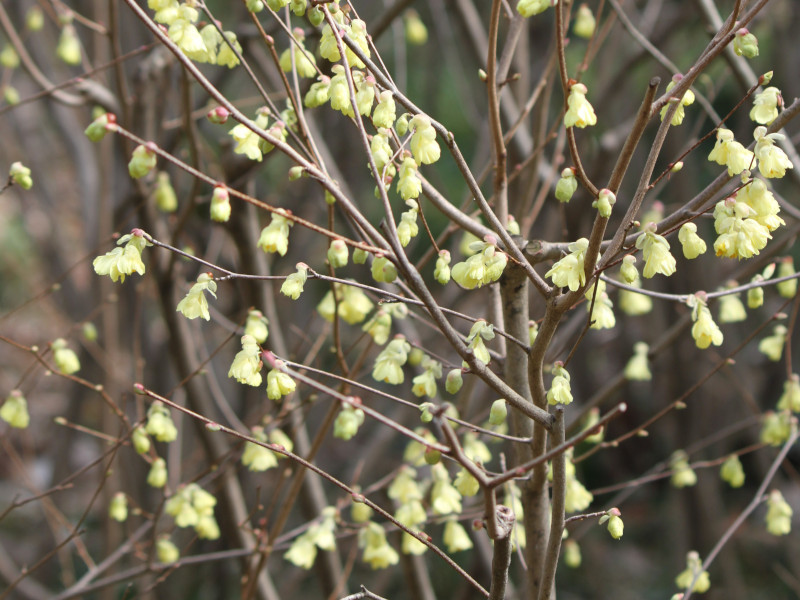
{"x":779,"y":514}
{"x":192,"y":506}
{"x":206,"y":45}
{"x":389,"y":363}
{"x":765,"y":106}
{"x":704,"y":331}
{"x":569,"y":271}
{"x":730,"y":153}
{"x":579,"y":112}
{"x":65,"y":358}
{"x":347,"y":422}
{"x":559,"y":392}
{"x":258,"y":458}
{"x":424,"y":384}
{"x":683,"y":102}
{"x":246,"y":366}
{"x":682,"y":474}
{"x":744,"y":221}
{"x":15,"y":410}
{"x":638,"y":368}
{"x":655,"y":251}
{"x":160,"y":424}
{"x":692,"y":244}
{"x":485,"y":266}
{"x":480,"y":331}
{"x":275,"y":236}
{"x":694,"y":572}
{"x":279,"y":384}
{"x":352,"y":302}
{"x":294,"y":283}
{"x":320,"y":534}
{"x":772,"y":160}
{"x":195,"y":304}
{"x":732,"y":471}
{"x":602,"y":316}
{"x":123,"y":261}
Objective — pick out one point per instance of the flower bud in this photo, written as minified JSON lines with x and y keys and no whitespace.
{"x":745,"y":44}
{"x":21,"y":175}
{"x":454,"y":381}
{"x":142,"y":162}
{"x":584,"y":22}
{"x":34,"y":19}
{"x":69,"y":47}
{"x":567,"y":185}
{"x":220,"y":204}
{"x":166,"y":551}
{"x":157,"y":477}
{"x":141,"y":443}
{"x":338,"y":254}
{"x":218,"y":115}
{"x":498,"y":413}
{"x":732,"y":471}
{"x":118,"y":509}
{"x":15,"y":410}
{"x":416,"y":32}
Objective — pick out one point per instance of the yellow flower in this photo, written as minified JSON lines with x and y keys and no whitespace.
{"x":655,"y":250}
{"x":772,"y":161}
{"x":15,"y":410}
{"x":569,"y":272}
{"x":765,"y":106}
{"x":275,"y":236}
{"x":686,"y":100}
{"x":579,"y":112}
{"x":704,"y":331}
{"x":423,"y":144}
{"x":194,"y":304}
{"x":246,"y":364}
{"x":694,"y":572}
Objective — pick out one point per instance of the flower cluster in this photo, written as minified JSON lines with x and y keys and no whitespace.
{"x":480,"y":331}
{"x":732,"y":471}
{"x":772,"y":345}
{"x":655,"y":251}
{"x":744,"y":221}
{"x":275,"y":236}
{"x":160,"y":424}
{"x":569,"y":271}
{"x":779,"y":514}
{"x":682,"y":473}
{"x":294,"y":283}
{"x":258,"y":458}
{"x":638,"y":368}
{"x":192,"y":506}
{"x":352,"y":301}
{"x":389,"y":363}
{"x":65,"y":358}
{"x":576,"y":496}
{"x":206,"y":45}
{"x":693,"y":572}
{"x":320,"y":534}
{"x":377,"y":551}
{"x":579,"y":112}
{"x":15,"y":410}
{"x":279,"y":384}
{"x":194,"y":304}
{"x":602,"y":316}
{"x":303,"y":60}
{"x":730,"y":153}
{"x":423,"y":144}
{"x":704,"y":331}
{"x":424,"y":384}
{"x":246,"y":366}
{"x":485,"y":266}
{"x":772,"y":161}
{"x":123,"y":261}
{"x":559,"y":392}
{"x":765,"y":106}
{"x":686,"y":100}
{"x":347,"y":422}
